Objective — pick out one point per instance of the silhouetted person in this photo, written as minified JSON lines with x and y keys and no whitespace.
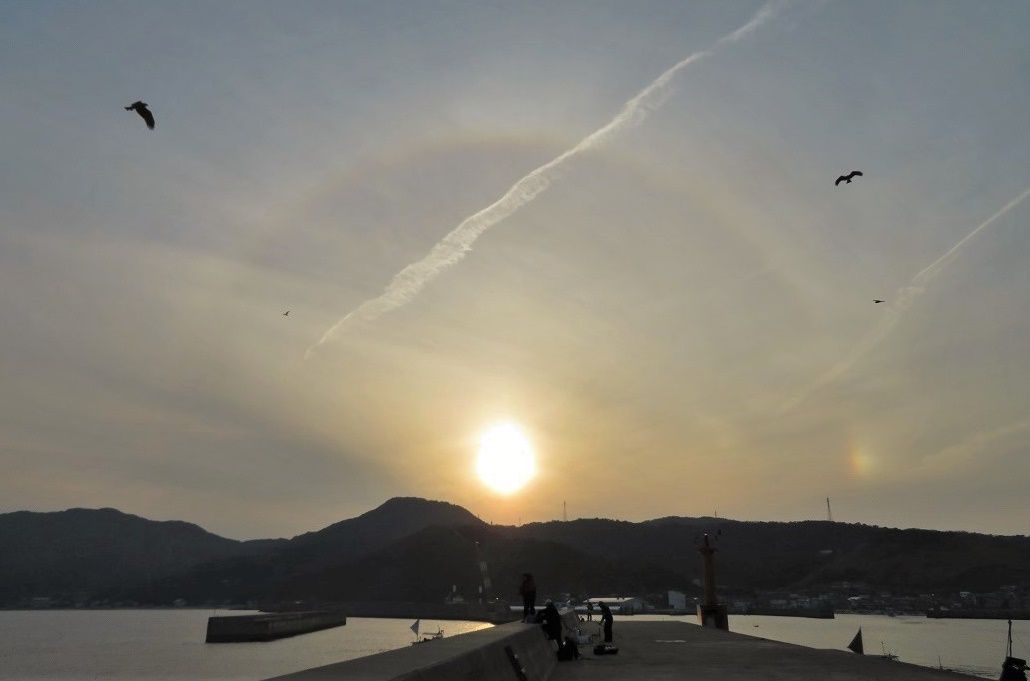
{"x":607,"y":619}
{"x":552,"y":623}
{"x":847,"y":178}
{"x":528,"y":592}
{"x":590,"y":611}
{"x":569,"y":650}
{"x":143,"y":111}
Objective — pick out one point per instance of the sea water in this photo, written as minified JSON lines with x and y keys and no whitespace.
{"x":167,"y":645}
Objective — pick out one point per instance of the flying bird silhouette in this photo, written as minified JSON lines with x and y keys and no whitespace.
{"x":143,"y":111}
{"x":286,"y":314}
{"x":878,"y":301}
{"x":847,"y":178}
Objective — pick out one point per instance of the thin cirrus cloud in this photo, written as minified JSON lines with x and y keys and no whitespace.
{"x":450,"y":250}
{"x":904,"y":298}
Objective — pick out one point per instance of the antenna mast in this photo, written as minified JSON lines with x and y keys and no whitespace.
{"x":829,"y":513}
{"x":564,"y":512}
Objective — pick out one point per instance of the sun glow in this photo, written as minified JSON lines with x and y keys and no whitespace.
{"x":505,"y":462}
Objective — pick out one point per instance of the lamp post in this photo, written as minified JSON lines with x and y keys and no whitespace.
{"x":710,"y":613}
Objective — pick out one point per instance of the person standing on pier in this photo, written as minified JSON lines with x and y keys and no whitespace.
{"x":607,"y":620}
{"x":528,"y":592}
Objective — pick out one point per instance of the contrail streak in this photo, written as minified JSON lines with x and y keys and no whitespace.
{"x":903,"y":300}
{"x":407,"y":283}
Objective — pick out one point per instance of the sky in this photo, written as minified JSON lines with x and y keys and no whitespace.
{"x":679,"y":315}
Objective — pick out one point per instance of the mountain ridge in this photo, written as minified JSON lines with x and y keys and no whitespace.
{"x":412,"y":548}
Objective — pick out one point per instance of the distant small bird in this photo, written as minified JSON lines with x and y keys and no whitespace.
{"x":286,"y":314}
{"x":143,"y":111}
{"x":877,"y":302}
{"x":847,"y":178}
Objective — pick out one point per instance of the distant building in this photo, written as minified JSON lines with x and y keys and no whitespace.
{"x":677,"y":600}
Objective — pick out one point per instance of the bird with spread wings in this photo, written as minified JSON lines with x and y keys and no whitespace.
{"x":143,"y":111}
{"x":847,"y":178}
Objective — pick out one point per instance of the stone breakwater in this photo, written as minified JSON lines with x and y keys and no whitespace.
{"x":270,"y":626}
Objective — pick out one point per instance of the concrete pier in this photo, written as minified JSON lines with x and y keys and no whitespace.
{"x":663,"y":651}
{"x":655,"y":651}
{"x":269,"y":626}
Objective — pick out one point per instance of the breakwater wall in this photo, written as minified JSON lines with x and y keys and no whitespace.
{"x":509,"y":652}
{"x":826,"y":613}
{"x":269,"y":626}
{"x":817,"y":613}
{"x":979,"y":614}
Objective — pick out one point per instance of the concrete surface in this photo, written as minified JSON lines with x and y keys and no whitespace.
{"x":476,"y":656}
{"x":648,"y":651}
{"x":663,"y":651}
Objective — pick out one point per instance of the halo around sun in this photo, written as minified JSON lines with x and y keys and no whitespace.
{"x":505,"y":462}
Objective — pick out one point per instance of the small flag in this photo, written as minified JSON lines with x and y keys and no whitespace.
{"x":856,"y":643}
{"x":414,"y":628}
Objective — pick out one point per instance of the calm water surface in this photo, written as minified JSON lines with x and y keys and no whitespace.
{"x":98,"y":645}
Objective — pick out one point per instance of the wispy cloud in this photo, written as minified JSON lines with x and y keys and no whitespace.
{"x":904,"y":298}
{"x":971,"y":450}
{"x":407,"y":283}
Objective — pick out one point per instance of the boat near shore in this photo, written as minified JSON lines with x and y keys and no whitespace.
{"x":424,"y":637}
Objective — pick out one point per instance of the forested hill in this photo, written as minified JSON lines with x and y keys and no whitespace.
{"x":414,"y":549}
{"x":808,"y":554}
{"x":75,"y":554}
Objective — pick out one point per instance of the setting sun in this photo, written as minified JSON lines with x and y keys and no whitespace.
{"x":505,"y":462}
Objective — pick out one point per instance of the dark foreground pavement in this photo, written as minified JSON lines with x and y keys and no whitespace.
{"x":663,"y":651}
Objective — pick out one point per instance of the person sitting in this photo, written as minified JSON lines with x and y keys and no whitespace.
{"x":552,"y":623}
{"x":568,"y":650}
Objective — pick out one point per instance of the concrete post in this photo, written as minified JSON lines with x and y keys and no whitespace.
{"x":711,"y":613}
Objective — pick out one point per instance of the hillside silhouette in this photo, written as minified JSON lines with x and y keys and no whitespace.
{"x":76,"y":554}
{"x":289,"y":568}
{"x":809,"y":554}
{"x":411,"y":549}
